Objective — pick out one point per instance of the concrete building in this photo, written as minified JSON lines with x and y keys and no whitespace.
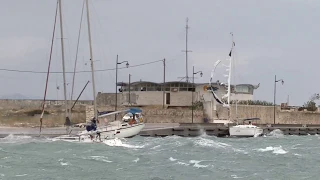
{"x":176,"y":93}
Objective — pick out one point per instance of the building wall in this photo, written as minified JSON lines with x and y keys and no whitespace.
{"x":145,"y":98}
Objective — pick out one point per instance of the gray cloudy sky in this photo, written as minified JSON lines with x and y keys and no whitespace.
{"x":272,"y":37}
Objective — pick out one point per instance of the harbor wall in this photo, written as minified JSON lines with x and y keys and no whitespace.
{"x":15,"y":112}
{"x":266,"y":114}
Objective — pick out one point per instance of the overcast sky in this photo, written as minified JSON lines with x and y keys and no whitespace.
{"x":272,"y":37}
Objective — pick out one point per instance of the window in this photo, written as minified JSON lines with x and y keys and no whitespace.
{"x":242,"y":89}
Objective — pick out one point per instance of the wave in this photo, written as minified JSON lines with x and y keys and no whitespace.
{"x":275,"y":150}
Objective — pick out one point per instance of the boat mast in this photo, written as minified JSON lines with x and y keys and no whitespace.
{"x":48,"y":72}
{"x":229,"y":78}
{"x":91,"y":59}
{"x":63,"y":68}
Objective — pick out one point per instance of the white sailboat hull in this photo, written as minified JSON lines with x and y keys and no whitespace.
{"x":109,"y":132}
{"x":125,"y":131}
{"x":245,"y":131}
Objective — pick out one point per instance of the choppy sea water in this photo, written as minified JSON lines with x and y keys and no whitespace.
{"x":195,"y":158}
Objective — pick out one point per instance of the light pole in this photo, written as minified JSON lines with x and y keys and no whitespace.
{"x":164,"y":82}
{"x":129,"y":88}
{"x":127,"y":65}
{"x":274,"y":97}
{"x":193,"y":73}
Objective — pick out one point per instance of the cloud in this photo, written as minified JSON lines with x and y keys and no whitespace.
{"x":20,"y":47}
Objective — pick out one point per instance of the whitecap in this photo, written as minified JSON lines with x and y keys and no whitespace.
{"x":210,"y":143}
{"x":196,"y":164}
{"x":20,"y":175}
{"x":63,"y":163}
{"x":276,"y":133}
{"x":118,"y":142}
{"x":172,"y":159}
{"x":235,"y":176}
{"x":182,"y":163}
{"x":100,"y":158}
{"x":155,"y":147}
{"x":136,"y":160}
{"x":2,"y":175}
{"x":276,"y":150}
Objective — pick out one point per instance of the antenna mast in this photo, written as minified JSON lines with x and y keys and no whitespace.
{"x":186,"y":50}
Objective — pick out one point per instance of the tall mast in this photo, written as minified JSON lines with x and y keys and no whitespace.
{"x":91,"y":59}
{"x":63,"y":65}
{"x":229,"y":78}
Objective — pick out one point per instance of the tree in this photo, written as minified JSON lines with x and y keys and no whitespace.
{"x":311,"y":105}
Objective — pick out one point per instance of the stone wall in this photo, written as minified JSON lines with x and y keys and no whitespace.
{"x":157,"y":114}
{"x":266,"y":114}
{"x":34,"y":104}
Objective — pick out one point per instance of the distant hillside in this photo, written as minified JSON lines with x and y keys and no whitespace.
{"x":18,"y":96}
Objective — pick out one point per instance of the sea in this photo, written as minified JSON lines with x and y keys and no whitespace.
{"x":272,"y":157}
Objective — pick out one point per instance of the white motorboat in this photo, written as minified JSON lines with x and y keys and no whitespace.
{"x":246,"y":130}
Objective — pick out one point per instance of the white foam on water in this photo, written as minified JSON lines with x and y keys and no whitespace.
{"x":21,"y":175}
{"x":276,"y":133}
{"x":155,"y":147}
{"x":210,"y":143}
{"x":196,"y":164}
{"x":100,"y":158}
{"x":2,"y":175}
{"x":235,"y":176}
{"x":182,"y":163}
{"x":136,"y":160}
{"x":118,"y":142}
{"x":276,"y":150}
{"x":297,"y":154}
{"x":11,"y":138}
{"x":63,"y":163}
{"x":172,"y":159}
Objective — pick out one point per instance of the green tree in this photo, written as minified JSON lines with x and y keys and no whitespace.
{"x":311,"y":105}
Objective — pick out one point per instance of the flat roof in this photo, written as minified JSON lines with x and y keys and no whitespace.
{"x":179,"y":82}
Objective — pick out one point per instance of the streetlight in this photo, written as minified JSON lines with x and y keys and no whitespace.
{"x":129,"y":88}
{"x":274,"y":98}
{"x":193,"y":73}
{"x":127,"y":65}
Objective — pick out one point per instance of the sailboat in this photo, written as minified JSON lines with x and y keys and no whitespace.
{"x":239,"y":130}
{"x":118,"y":129}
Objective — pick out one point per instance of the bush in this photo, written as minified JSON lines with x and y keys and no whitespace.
{"x":33,"y":112}
{"x":197,"y":105}
{"x":254,"y":102}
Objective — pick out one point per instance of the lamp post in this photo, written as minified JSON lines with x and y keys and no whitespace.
{"x":274,"y":97}
{"x":164,"y":82}
{"x":129,"y":88}
{"x":193,"y":73}
{"x":127,"y":65}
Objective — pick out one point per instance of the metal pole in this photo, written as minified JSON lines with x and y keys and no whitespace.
{"x":274,"y":99}
{"x":164,"y":82}
{"x":115,"y":109}
{"x":79,"y":95}
{"x":67,"y":120}
{"x":129,"y":87}
{"x":91,"y":59}
{"x":192,"y":91}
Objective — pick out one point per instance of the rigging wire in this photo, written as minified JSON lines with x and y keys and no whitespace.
{"x":75,"y":63}
{"x":57,"y":72}
{"x":45,"y":91}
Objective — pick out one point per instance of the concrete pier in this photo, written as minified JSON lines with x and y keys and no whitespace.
{"x":220,"y":130}
{"x":171,"y":129}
